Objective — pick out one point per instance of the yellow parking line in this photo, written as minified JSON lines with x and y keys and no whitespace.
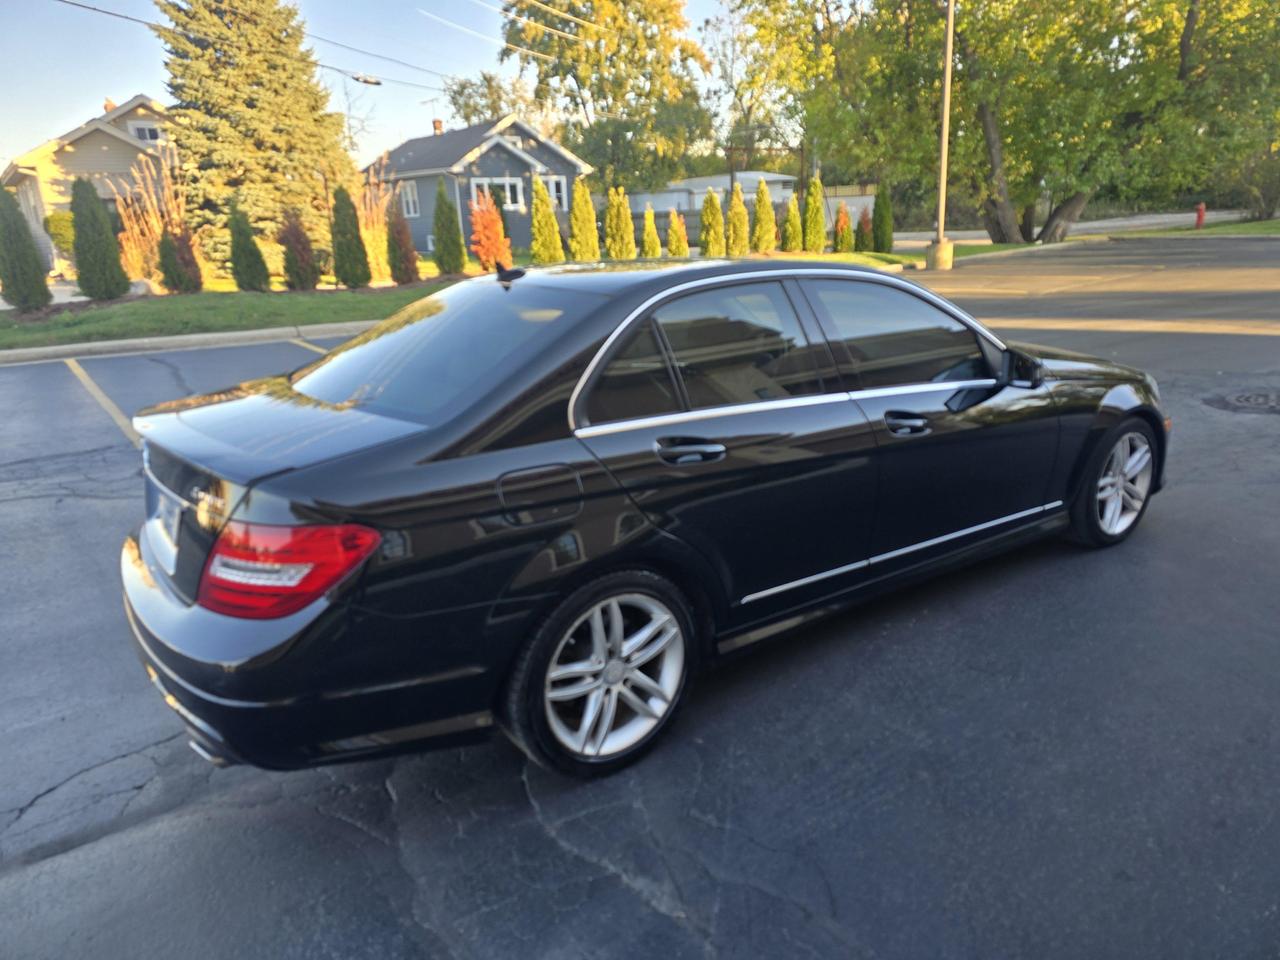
{"x":310,"y":346}
{"x":105,"y":402}
{"x":1247,"y":328}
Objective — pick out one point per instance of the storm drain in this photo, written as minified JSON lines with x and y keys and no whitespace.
{"x":1250,"y":401}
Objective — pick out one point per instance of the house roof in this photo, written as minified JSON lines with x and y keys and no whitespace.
{"x":451,"y":150}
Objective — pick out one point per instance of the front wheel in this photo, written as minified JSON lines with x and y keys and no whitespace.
{"x":603,"y":676}
{"x":1116,"y":486}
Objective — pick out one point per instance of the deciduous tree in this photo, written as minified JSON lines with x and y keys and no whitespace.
{"x":489,"y":242}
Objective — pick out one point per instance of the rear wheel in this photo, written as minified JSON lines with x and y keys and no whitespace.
{"x":603,"y":676}
{"x":1116,"y":486}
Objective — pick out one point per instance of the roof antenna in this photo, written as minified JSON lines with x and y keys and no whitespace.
{"x":507,"y":274}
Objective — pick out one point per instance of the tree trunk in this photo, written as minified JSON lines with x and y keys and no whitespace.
{"x":1063,"y":217}
{"x":997,"y":211}
{"x":1028,"y":224}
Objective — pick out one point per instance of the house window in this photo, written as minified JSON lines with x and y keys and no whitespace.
{"x":507,"y":192}
{"x":149,"y":132}
{"x":409,"y":198}
{"x":558,"y":187}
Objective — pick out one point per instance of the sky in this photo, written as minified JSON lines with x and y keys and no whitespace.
{"x":59,"y":63}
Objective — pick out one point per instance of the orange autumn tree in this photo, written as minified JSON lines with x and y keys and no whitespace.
{"x":488,"y":241}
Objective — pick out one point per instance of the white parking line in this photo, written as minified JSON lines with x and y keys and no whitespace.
{"x":105,"y":402}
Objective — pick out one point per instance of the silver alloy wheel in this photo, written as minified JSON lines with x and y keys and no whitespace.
{"x":1124,"y":483}
{"x":614,"y":675}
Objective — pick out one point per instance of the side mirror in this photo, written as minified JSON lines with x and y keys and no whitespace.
{"x":1019,"y":370}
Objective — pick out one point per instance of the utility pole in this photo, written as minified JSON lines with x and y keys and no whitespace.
{"x":940,"y":253}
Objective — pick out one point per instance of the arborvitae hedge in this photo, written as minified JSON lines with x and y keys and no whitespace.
{"x":764,"y":232}
{"x":301,"y":272}
{"x":792,"y":229}
{"x":98,"y":267}
{"x":402,"y":256}
{"x":842,"y":235}
{"x":179,"y":269}
{"x":650,"y":245}
{"x":738,"y":225}
{"x":862,"y":240}
{"x":584,"y":238}
{"x":619,"y":228}
{"x":350,"y":261}
{"x":882,"y":221}
{"x":677,"y":235}
{"x":545,"y":246}
{"x":451,"y":248}
{"x":22,"y":272}
{"x":815,"y":218}
{"x":711,"y":232}
{"x":247,"y":266}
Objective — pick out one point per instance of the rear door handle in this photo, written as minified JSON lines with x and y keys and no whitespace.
{"x":904,"y":424}
{"x":686,"y":450}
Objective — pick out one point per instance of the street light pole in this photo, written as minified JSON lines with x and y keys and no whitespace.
{"x":940,"y":252}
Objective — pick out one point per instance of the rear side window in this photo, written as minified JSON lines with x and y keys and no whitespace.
{"x":635,"y":383}
{"x":738,"y":344}
{"x":889,"y":337}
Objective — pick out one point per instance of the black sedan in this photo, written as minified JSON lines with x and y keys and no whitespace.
{"x":546,"y":500}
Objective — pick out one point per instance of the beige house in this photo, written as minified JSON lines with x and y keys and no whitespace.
{"x":103,"y":149}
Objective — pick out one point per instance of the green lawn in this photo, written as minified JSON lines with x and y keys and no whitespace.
{"x":204,"y":313}
{"x":1243,"y":228}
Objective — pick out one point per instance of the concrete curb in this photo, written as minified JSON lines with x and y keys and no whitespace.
{"x":1024,"y":251}
{"x":188,"y":341}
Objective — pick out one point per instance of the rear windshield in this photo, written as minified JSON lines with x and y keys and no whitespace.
{"x":438,"y":355}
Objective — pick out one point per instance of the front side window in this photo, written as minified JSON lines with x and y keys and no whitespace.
{"x":738,"y":344}
{"x":636,"y":382}
{"x":889,"y":337}
{"x":409,"y":198}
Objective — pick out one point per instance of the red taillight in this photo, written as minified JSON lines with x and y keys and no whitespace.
{"x":259,"y":571}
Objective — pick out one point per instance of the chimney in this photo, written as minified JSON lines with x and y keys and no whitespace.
{"x":437,"y":127}
{"x":108,"y":105}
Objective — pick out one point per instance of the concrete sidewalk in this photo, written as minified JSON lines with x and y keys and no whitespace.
{"x":919,"y":239}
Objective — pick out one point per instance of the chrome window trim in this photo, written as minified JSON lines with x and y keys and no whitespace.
{"x":888,"y":280}
{"x":900,"y":552}
{"x":730,"y":410}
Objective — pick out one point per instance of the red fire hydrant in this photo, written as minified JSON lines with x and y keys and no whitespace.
{"x":1199,"y":214}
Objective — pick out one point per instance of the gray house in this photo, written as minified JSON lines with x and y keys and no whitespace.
{"x":501,"y":157}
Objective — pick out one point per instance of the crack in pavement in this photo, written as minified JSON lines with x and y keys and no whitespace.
{"x":176,"y":373}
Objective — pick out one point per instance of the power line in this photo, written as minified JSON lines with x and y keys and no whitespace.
{"x":565,"y":16}
{"x":485,"y":37}
{"x":534,"y":23}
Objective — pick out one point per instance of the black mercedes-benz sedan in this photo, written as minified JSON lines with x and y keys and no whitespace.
{"x":545,"y":500}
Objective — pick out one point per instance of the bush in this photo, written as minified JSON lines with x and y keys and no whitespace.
{"x":350,"y":262}
{"x":301,"y":272}
{"x":677,"y":235}
{"x":882,"y":221}
{"x":402,"y":256}
{"x":815,"y":218}
{"x":488,"y":240}
{"x":764,"y":234}
{"x":711,"y":232}
{"x":842,"y":236}
{"x":97,"y":254}
{"x":22,"y":272}
{"x":792,"y":230}
{"x":584,"y":238}
{"x":179,"y":269}
{"x":247,"y":266}
{"x":738,"y":226}
{"x":619,"y":228}
{"x":546,"y":246}
{"x":61,"y":228}
{"x":451,"y":251}
{"x":650,"y":245}
{"x":862,"y":241}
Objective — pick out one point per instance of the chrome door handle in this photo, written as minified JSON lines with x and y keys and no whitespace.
{"x":903,"y":424}
{"x":685,"y":450}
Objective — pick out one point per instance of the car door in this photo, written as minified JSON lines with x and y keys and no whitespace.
{"x":713,"y":413}
{"x":958,"y":454}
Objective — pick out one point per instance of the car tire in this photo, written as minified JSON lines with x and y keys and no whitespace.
{"x":623,"y":646}
{"x":1116,"y":485}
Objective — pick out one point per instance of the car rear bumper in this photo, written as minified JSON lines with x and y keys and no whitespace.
{"x":285,"y":732}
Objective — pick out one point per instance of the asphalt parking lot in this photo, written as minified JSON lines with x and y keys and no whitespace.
{"x":1060,"y":753}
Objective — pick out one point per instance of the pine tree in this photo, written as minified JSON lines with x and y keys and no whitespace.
{"x":764,"y":233}
{"x":179,"y":269}
{"x":815,"y":218}
{"x":842,"y":235}
{"x":97,"y":253}
{"x":619,"y":227}
{"x":489,"y":242}
{"x":584,"y":239}
{"x":738,"y":228}
{"x":301,"y":272}
{"x":402,"y":256}
{"x":792,"y":230}
{"x":862,"y":240}
{"x":882,"y":221}
{"x":250,"y":118}
{"x":650,"y":244}
{"x":350,"y":262}
{"x":451,"y":249}
{"x":22,"y":272}
{"x":546,"y":246}
{"x":711,"y":230}
{"x":677,"y":235}
{"x":247,"y":266}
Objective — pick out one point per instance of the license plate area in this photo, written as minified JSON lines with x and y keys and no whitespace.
{"x":164,"y":519}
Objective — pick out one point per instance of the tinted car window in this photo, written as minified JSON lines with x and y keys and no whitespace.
{"x":635,"y":383}
{"x":441,"y":354}
{"x":891,"y":337}
{"x":738,"y":344}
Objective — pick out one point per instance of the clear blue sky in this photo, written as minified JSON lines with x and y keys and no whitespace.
{"x":58,"y":63}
